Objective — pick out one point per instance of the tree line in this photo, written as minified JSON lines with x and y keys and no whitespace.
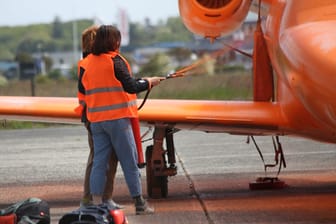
{"x":59,"y":36}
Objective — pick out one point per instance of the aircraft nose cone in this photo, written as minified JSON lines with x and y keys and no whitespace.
{"x":310,"y":49}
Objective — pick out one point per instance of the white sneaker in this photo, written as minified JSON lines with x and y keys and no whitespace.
{"x":144,"y":209}
{"x":110,"y":203}
{"x":85,"y":203}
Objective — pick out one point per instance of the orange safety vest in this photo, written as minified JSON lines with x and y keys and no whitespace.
{"x":104,"y":95}
{"x":81,"y":97}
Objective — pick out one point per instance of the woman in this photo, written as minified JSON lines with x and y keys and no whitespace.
{"x":110,"y":95}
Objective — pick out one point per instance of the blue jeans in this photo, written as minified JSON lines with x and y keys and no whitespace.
{"x":117,"y":135}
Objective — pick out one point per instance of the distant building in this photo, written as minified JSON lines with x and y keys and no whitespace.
{"x":63,"y":61}
{"x":9,"y":69}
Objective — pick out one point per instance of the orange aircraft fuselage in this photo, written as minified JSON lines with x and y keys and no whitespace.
{"x":301,"y":39}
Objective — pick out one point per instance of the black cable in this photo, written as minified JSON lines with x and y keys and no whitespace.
{"x":144,"y":100}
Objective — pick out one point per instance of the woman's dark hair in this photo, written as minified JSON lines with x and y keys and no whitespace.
{"x":108,"y":38}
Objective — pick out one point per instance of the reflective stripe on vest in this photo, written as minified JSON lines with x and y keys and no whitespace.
{"x":104,"y":89}
{"x":112,"y":107}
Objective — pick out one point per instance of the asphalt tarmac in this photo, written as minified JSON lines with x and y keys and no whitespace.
{"x":211,"y":187}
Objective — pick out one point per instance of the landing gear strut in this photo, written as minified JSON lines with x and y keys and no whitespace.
{"x":262,"y":183}
{"x":157,"y":170}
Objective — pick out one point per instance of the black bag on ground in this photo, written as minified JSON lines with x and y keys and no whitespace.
{"x":29,"y":211}
{"x":100,"y":214}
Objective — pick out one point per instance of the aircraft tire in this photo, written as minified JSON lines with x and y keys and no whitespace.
{"x":157,"y":186}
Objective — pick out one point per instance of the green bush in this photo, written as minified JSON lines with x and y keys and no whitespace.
{"x":3,"y":80}
{"x":55,"y":74}
{"x":42,"y":79}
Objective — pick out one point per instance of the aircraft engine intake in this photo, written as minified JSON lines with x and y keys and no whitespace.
{"x":213,"y":18}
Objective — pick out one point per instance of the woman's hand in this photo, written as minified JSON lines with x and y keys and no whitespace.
{"x":153,"y":81}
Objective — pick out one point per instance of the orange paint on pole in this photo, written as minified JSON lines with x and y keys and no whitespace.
{"x":136,"y":132}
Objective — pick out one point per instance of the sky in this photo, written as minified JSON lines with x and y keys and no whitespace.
{"x":26,"y":12}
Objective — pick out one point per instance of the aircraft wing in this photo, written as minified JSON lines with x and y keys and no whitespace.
{"x":235,"y":117}
{"x":44,"y":109}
